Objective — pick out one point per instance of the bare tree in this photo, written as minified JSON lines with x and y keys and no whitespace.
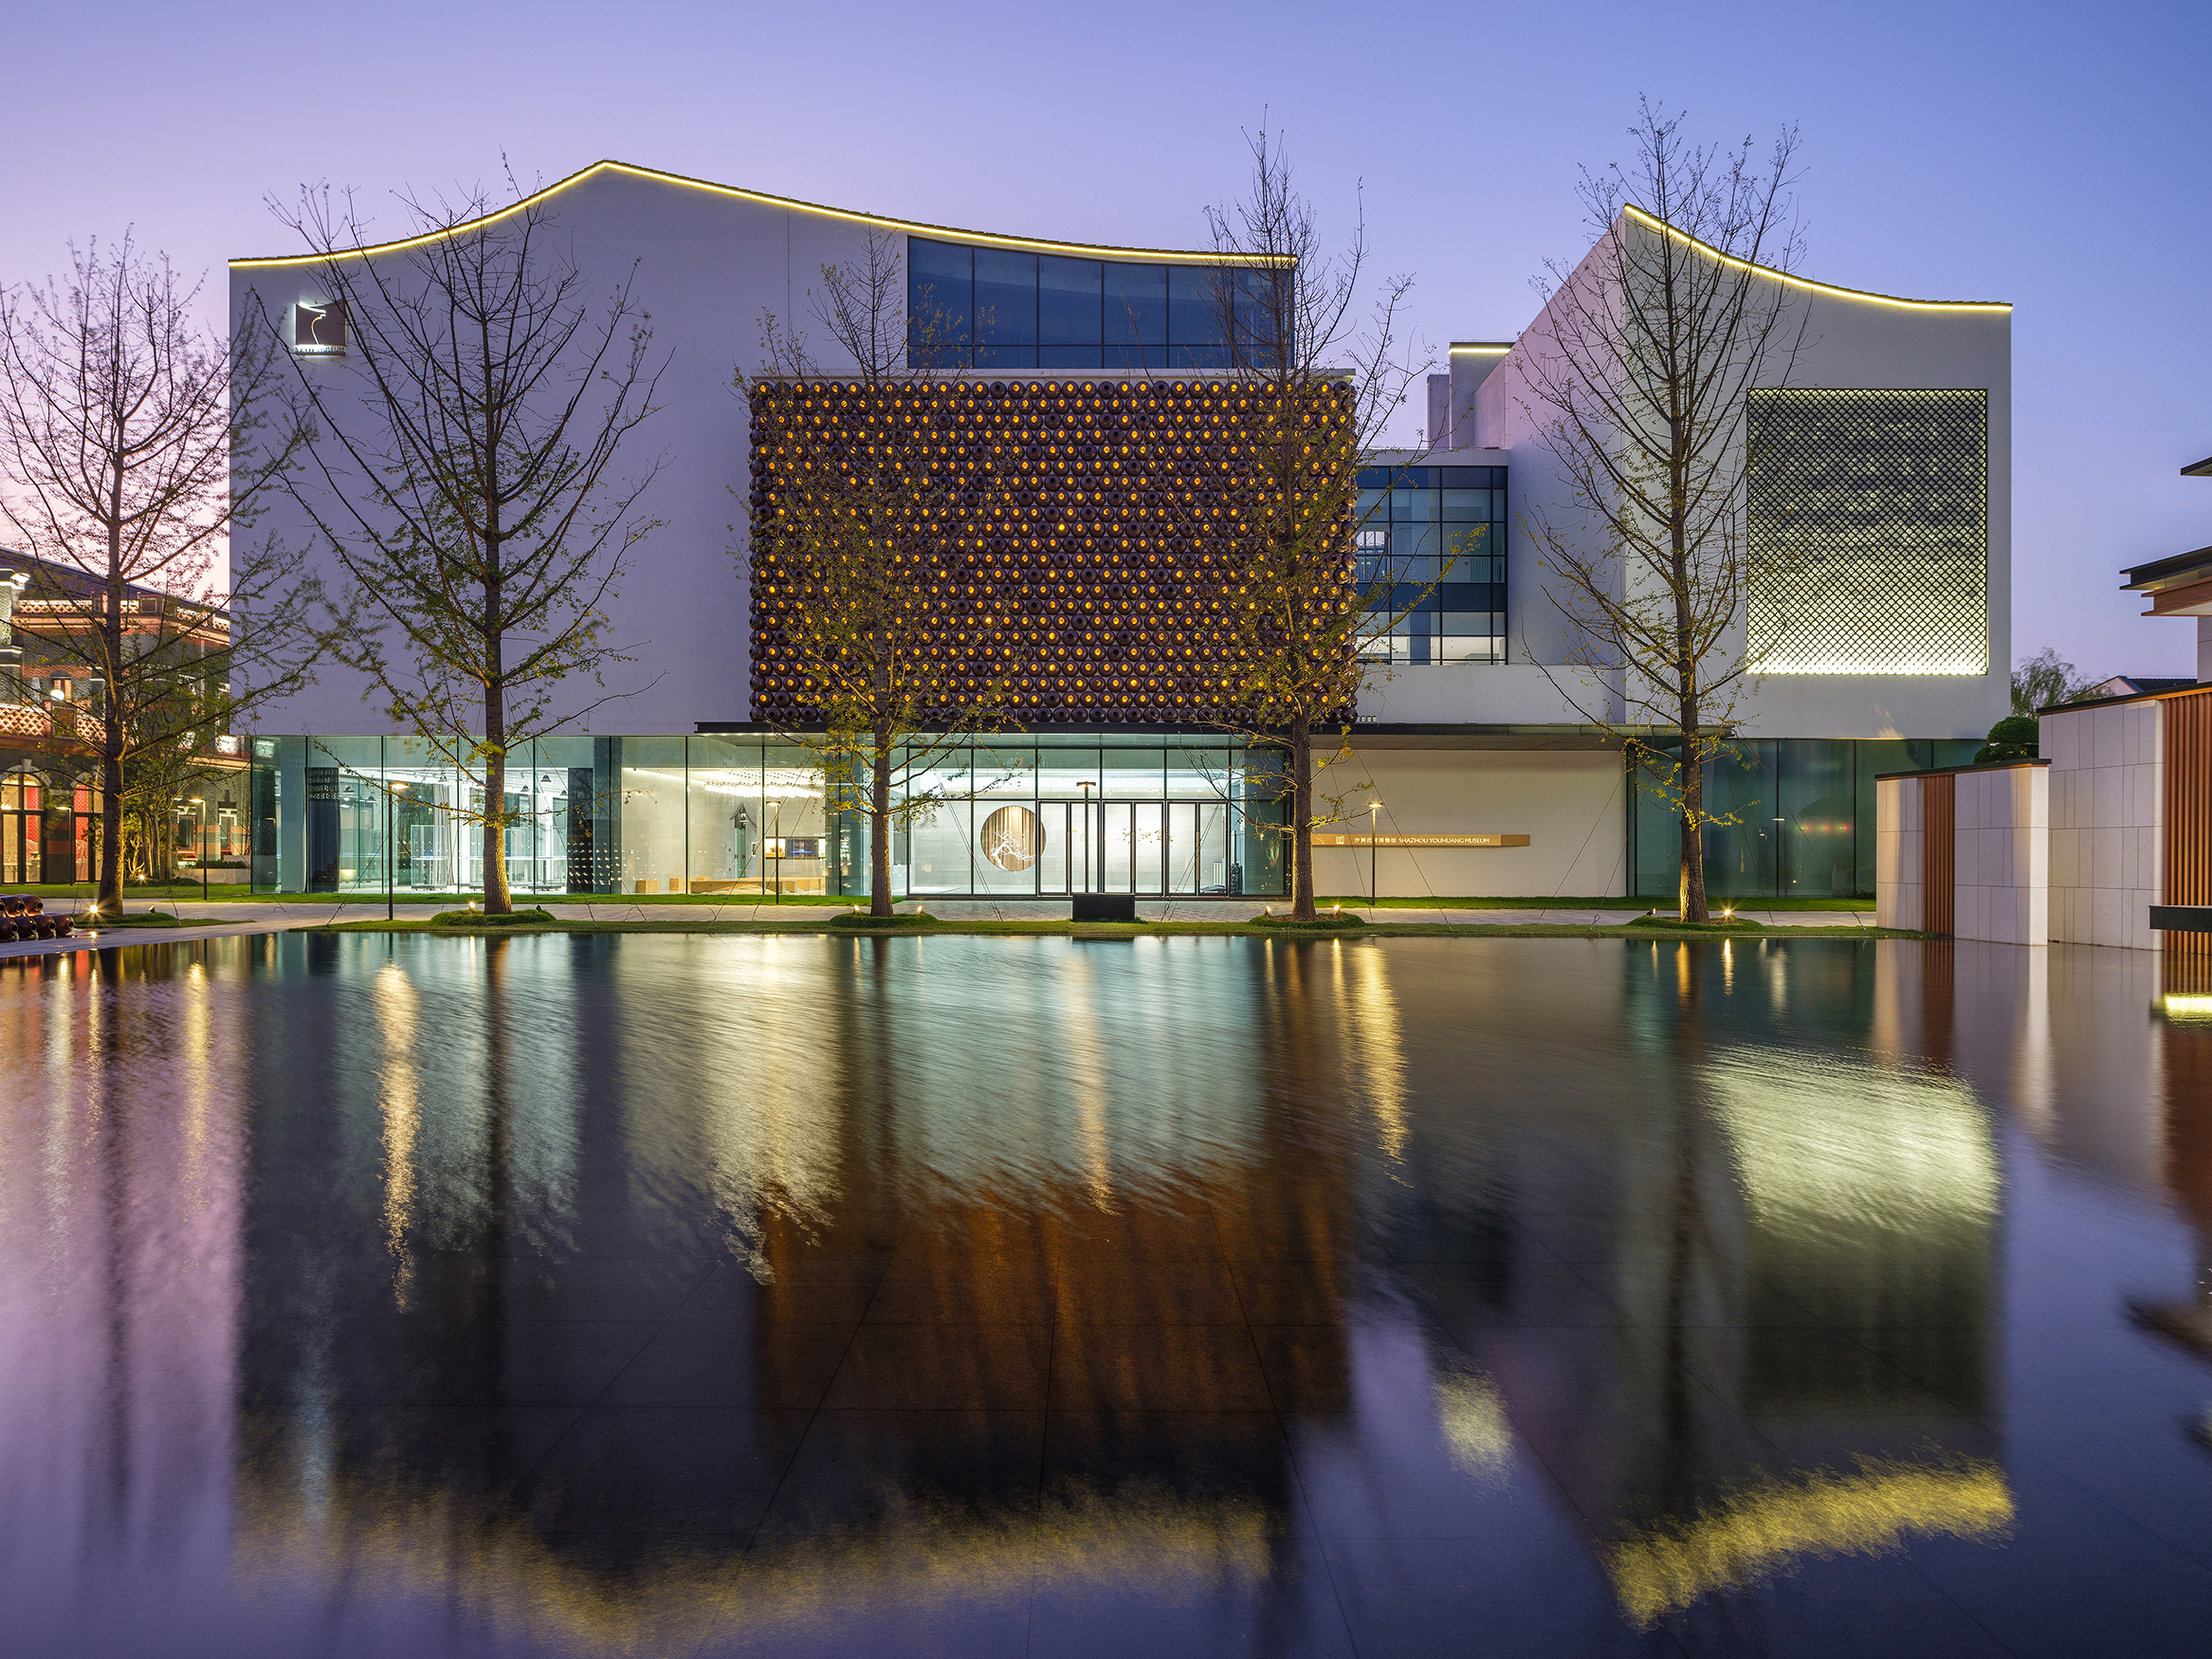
{"x":842,"y":539}
{"x":1637,"y":383}
{"x":119,"y":418}
{"x":461,"y":469}
{"x":1328,"y":376}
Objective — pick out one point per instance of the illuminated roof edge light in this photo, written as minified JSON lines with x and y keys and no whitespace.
{"x":1806,"y":283}
{"x":978,"y":238}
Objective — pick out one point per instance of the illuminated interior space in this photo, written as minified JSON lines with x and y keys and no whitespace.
{"x":1015,"y":817}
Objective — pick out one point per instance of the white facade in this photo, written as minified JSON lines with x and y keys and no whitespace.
{"x":1491,"y":415}
{"x":710,"y":263}
{"x":2108,"y":852}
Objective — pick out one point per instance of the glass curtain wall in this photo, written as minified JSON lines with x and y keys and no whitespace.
{"x":1012,"y":817}
{"x":1432,"y":544}
{"x":1803,"y":812}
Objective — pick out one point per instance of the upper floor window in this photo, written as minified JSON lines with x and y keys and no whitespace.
{"x":997,"y":308}
{"x":1432,"y":544}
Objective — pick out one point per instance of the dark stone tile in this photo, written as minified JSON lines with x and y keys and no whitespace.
{"x":929,"y":1478}
{"x":1173,"y":1457}
{"x":947,"y":1295}
{"x":1124,"y":1291}
{"x":1848,"y":1606}
{"x":604,"y":1288}
{"x":1171,"y":1368}
{"x":1333,"y":1293}
{"x":1212,"y":1582}
{"x":892,"y":1610}
{"x":1484,"y":1295}
{"x":563,"y":1363}
{"x":1184,"y":1236}
{"x":374,"y":1286}
{"x":804,"y":1291}
{"x":731,"y":1363}
{"x":1537,"y":1592}
{"x":661,"y":1469}
{"x":944,"y":1367}
{"x":1309,"y":1368}
{"x":2071,"y":1575}
{"x":291,"y":1363}
{"x":469,"y":1456}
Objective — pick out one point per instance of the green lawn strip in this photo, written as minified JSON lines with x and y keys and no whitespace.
{"x":1538,"y":901}
{"x":1110,"y":930}
{"x":152,"y":919}
{"x":241,"y":895}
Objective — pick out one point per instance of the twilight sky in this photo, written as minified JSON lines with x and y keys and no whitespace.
{"x":2051,"y":157}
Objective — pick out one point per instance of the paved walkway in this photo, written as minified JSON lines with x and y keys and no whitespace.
{"x":247,"y":917}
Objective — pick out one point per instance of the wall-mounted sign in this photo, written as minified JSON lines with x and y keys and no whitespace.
{"x":793,"y":846}
{"x":1012,"y":838}
{"x":1420,"y":841}
{"x":318,"y":328}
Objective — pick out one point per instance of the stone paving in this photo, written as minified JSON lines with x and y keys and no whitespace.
{"x":247,"y":917}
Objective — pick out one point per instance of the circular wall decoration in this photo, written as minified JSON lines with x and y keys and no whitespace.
{"x":1012,"y":838}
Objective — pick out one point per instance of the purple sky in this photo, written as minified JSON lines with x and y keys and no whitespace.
{"x":2050,"y":156}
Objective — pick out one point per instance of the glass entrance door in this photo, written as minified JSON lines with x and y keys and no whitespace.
{"x":1073,"y":857}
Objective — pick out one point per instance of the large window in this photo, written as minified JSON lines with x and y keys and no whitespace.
{"x":996,"y":309}
{"x":1432,"y":545}
{"x":740,"y":814}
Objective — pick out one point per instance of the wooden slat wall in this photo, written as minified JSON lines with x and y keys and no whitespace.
{"x":2188,"y":876}
{"x":1938,"y":854}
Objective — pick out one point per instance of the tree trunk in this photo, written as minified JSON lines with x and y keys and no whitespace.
{"x":879,"y":825}
{"x":498,"y":899}
{"x":1301,"y":820}
{"x":1694,"y":900}
{"x":110,"y":902}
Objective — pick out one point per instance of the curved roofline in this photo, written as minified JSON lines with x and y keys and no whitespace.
{"x":976,"y":238}
{"x":1655,"y":223}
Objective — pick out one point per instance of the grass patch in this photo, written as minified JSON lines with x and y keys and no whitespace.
{"x":1673,"y":924}
{"x":860,"y":920}
{"x":1329,"y":921}
{"x":452,"y":918}
{"x":932,"y":927}
{"x":148,"y":918}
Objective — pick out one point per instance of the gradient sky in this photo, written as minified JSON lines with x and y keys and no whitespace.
{"x":2048,"y":157}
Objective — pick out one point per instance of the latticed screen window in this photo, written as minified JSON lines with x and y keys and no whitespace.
{"x":1869,"y":522}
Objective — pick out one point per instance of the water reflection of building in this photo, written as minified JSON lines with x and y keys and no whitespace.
{"x":1796,"y":1249}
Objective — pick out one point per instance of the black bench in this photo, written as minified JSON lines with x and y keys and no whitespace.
{"x":1105,"y":907}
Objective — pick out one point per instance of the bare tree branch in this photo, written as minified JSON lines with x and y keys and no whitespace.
{"x":1637,"y":382}
{"x":462,"y":472}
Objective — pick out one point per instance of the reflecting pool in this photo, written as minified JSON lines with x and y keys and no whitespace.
{"x":667,"y":1295}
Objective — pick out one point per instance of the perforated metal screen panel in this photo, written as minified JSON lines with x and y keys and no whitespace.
{"x":1869,"y":526}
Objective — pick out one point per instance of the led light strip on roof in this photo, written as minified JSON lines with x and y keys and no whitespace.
{"x":1742,"y":265}
{"x":974,"y":238}
{"x":1480,"y":348}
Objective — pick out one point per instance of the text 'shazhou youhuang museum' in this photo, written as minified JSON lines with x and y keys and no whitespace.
{"x":1093,"y":384}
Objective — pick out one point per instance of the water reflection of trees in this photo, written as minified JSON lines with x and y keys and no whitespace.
{"x":1736,"y":1144}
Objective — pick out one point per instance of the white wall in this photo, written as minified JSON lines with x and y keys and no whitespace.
{"x":1850,"y":342}
{"x":2108,"y":795}
{"x":1899,"y":854}
{"x":2001,"y":855}
{"x":1569,"y":804}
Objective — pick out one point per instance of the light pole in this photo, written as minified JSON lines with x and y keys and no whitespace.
{"x":1374,"y":893}
{"x":391,"y":789}
{"x":200,"y":841}
{"x":776,"y":845}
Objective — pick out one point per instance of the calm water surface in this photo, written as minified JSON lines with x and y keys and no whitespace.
{"x":671,"y":1296}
